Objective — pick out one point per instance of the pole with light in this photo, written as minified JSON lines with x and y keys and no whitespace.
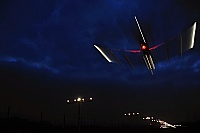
{"x":79,"y":100}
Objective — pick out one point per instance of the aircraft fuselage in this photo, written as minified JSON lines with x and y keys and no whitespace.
{"x":147,"y":56}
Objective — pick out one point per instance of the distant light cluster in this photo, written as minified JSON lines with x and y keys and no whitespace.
{"x":163,"y":124}
{"x":79,"y":100}
{"x":131,"y":114}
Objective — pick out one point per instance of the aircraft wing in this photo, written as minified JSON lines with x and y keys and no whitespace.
{"x":175,"y":46}
{"x":187,"y":38}
{"x":130,"y":57}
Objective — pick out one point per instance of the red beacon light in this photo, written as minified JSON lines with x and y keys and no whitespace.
{"x":144,"y":47}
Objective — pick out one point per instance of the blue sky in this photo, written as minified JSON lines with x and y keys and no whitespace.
{"x":58,"y":36}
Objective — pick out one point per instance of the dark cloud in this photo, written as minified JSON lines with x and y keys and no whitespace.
{"x":60,"y":34}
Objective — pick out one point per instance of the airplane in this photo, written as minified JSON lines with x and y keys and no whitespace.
{"x":186,"y":42}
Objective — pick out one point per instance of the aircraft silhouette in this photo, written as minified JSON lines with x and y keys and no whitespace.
{"x":186,"y":42}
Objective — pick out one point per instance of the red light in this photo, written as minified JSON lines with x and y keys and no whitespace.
{"x":143,"y":47}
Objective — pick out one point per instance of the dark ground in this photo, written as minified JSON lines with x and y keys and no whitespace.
{"x":18,"y":125}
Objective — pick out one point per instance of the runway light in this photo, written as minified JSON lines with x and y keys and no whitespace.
{"x":148,"y":118}
{"x":124,"y":114}
{"x":83,"y":99}
{"x":74,"y":100}
{"x":67,"y":101}
{"x":90,"y":98}
{"x":138,"y":113}
{"x":129,"y":113}
{"x":133,"y":113}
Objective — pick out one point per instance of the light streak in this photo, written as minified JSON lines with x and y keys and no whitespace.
{"x":151,"y":60}
{"x":140,"y":29}
{"x":193,"y":35}
{"x":147,"y":62}
{"x":107,"y":58}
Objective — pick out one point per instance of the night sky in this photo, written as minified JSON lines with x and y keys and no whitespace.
{"x":47,"y":55}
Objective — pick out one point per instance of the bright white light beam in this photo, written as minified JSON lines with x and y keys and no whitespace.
{"x":140,"y":29}
{"x":193,"y":35}
{"x":107,"y":58}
